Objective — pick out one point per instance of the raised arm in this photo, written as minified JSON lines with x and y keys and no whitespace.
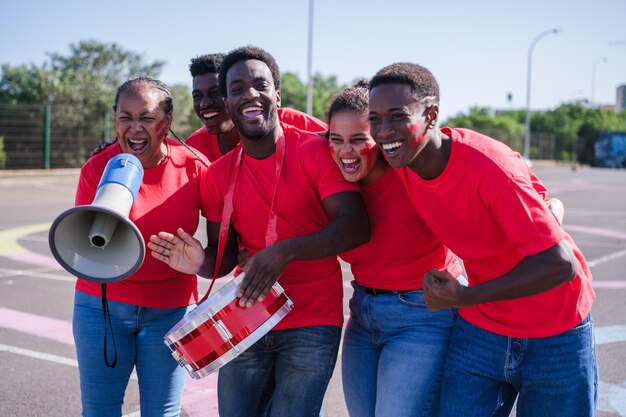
{"x":349,"y":227}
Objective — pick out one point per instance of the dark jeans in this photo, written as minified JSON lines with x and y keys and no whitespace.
{"x":284,"y":374}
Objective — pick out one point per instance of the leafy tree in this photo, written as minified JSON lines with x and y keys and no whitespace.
{"x":79,"y":88}
{"x":293,"y":92}
{"x":185,"y":120}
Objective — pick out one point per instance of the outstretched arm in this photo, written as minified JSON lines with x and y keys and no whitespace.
{"x":185,"y":254}
{"x":349,"y":227}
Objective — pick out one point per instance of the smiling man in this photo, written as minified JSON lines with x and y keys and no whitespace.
{"x":219,"y":135}
{"x":293,"y":212}
{"x":525,"y":330}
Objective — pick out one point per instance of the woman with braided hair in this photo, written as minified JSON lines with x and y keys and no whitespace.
{"x":145,"y":306}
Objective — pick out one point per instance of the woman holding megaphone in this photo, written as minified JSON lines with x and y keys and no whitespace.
{"x":139,"y":309}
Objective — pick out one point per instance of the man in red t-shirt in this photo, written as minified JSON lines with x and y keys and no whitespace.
{"x":219,"y":135}
{"x":525,"y":330}
{"x":293,"y":211}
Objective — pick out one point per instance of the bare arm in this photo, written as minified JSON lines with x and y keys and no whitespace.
{"x":185,"y":254}
{"x":349,"y":227}
{"x":533,"y":275}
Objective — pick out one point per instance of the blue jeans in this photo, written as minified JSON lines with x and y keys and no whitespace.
{"x":284,"y":374}
{"x":553,"y":376}
{"x":139,"y":333}
{"x":393,"y":354}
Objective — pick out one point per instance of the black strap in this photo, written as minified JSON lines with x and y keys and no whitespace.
{"x":106,"y":313}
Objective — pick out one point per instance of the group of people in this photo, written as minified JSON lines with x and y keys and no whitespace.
{"x":384,"y":188}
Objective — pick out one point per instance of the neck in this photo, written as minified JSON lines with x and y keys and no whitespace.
{"x":380,"y":167}
{"x":227,"y":141}
{"x":433,"y":159}
{"x":263,"y":147}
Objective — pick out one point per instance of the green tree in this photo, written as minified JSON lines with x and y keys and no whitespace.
{"x":79,"y":88}
{"x":293,"y":92}
{"x":185,"y":120}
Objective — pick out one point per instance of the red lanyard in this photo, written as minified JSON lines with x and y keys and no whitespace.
{"x":271,"y":233}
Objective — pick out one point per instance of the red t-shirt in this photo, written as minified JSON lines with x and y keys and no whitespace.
{"x":401,"y":248}
{"x":485,"y":207}
{"x":169,"y":198}
{"x":206,"y":142}
{"x":309,"y":175}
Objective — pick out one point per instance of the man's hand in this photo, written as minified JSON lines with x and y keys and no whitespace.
{"x":182,"y":252}
{"x":262,"y":270}
{"x":243,"y":259}
{"x":442,"y":290}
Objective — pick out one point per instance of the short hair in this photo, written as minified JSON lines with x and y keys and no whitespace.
{"x":422,"y":82}
{"x":168,"y":102}
{"x":354,"y":98}
{"x":243,"y":54}
{"x":206,"y":64}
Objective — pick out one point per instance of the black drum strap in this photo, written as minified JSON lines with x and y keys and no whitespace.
{"x":106,"y":313}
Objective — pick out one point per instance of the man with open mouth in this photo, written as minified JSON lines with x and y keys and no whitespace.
{"x":293,"y":212}
{"x":524,"y":330}
{"x":219,"y":136}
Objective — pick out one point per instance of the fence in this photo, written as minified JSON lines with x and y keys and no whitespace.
{"x":62,"y":136}
{"x":44,"y":136}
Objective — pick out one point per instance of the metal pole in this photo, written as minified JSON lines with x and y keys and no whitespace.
{"x":46,"y":137}
{"x":528,"y":76}
{"x":309,"y":88}
{"x":593,"y":80}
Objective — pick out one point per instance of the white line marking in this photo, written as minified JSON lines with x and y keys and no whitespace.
{"x":39,"y":355}
{"x":606,"y":258}
{"x":610,"y":334}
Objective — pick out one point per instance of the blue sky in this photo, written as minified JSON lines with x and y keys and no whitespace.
{"x":476,"y":49}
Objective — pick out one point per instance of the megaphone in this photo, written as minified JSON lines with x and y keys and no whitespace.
{"x":98,"y":242}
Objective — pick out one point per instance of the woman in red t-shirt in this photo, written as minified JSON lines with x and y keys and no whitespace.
{"x":393,"y":347}
{"x":145,"y":306}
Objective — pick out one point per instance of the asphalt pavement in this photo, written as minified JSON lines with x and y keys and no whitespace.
{"x":37,"y":356}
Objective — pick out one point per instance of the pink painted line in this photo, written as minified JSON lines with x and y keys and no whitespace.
{"x":595,"y":231}
{"x":35,"y":259}
{"x":46,"y":327}
{"x":199,"y":395}
{"x":608,"y":284}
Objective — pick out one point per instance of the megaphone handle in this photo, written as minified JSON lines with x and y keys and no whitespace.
{"x":106,"y":313}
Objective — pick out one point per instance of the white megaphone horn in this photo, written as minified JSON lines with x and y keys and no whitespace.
{"x":98,"y":242}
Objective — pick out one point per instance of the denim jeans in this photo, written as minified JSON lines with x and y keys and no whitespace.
{"x":284,"y":374}
{"x":393,"y":353}
{"x":553,"y":376}
{"x":138,"y":333}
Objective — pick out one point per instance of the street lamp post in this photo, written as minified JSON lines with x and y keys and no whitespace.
{"x":528,"y":73}
{"x":593,"y":79}
{"x":309,"y":85}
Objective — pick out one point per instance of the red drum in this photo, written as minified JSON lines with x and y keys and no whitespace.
{"x":218,"y":330}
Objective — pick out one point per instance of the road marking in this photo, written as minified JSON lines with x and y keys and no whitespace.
{"x":199,"y":396}
{"x":610,"y":334}
{"x":606,"y":258}
{"x":39,"y":355}
{"x":9,"y":237}
{"x":35,"y":273}
{"x":612,"y":398}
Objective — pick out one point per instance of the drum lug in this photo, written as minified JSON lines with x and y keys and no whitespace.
{"x":223,"y":331}
{"x":179,"y":358}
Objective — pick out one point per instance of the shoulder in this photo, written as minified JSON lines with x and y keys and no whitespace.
{"x":301,"y":120}
{"x":199,"y":134}
{"x":485,"y":154}
{"x":181,"y":155}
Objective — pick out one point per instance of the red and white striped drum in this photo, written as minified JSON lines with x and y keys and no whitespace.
{"x":218,"y":330}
